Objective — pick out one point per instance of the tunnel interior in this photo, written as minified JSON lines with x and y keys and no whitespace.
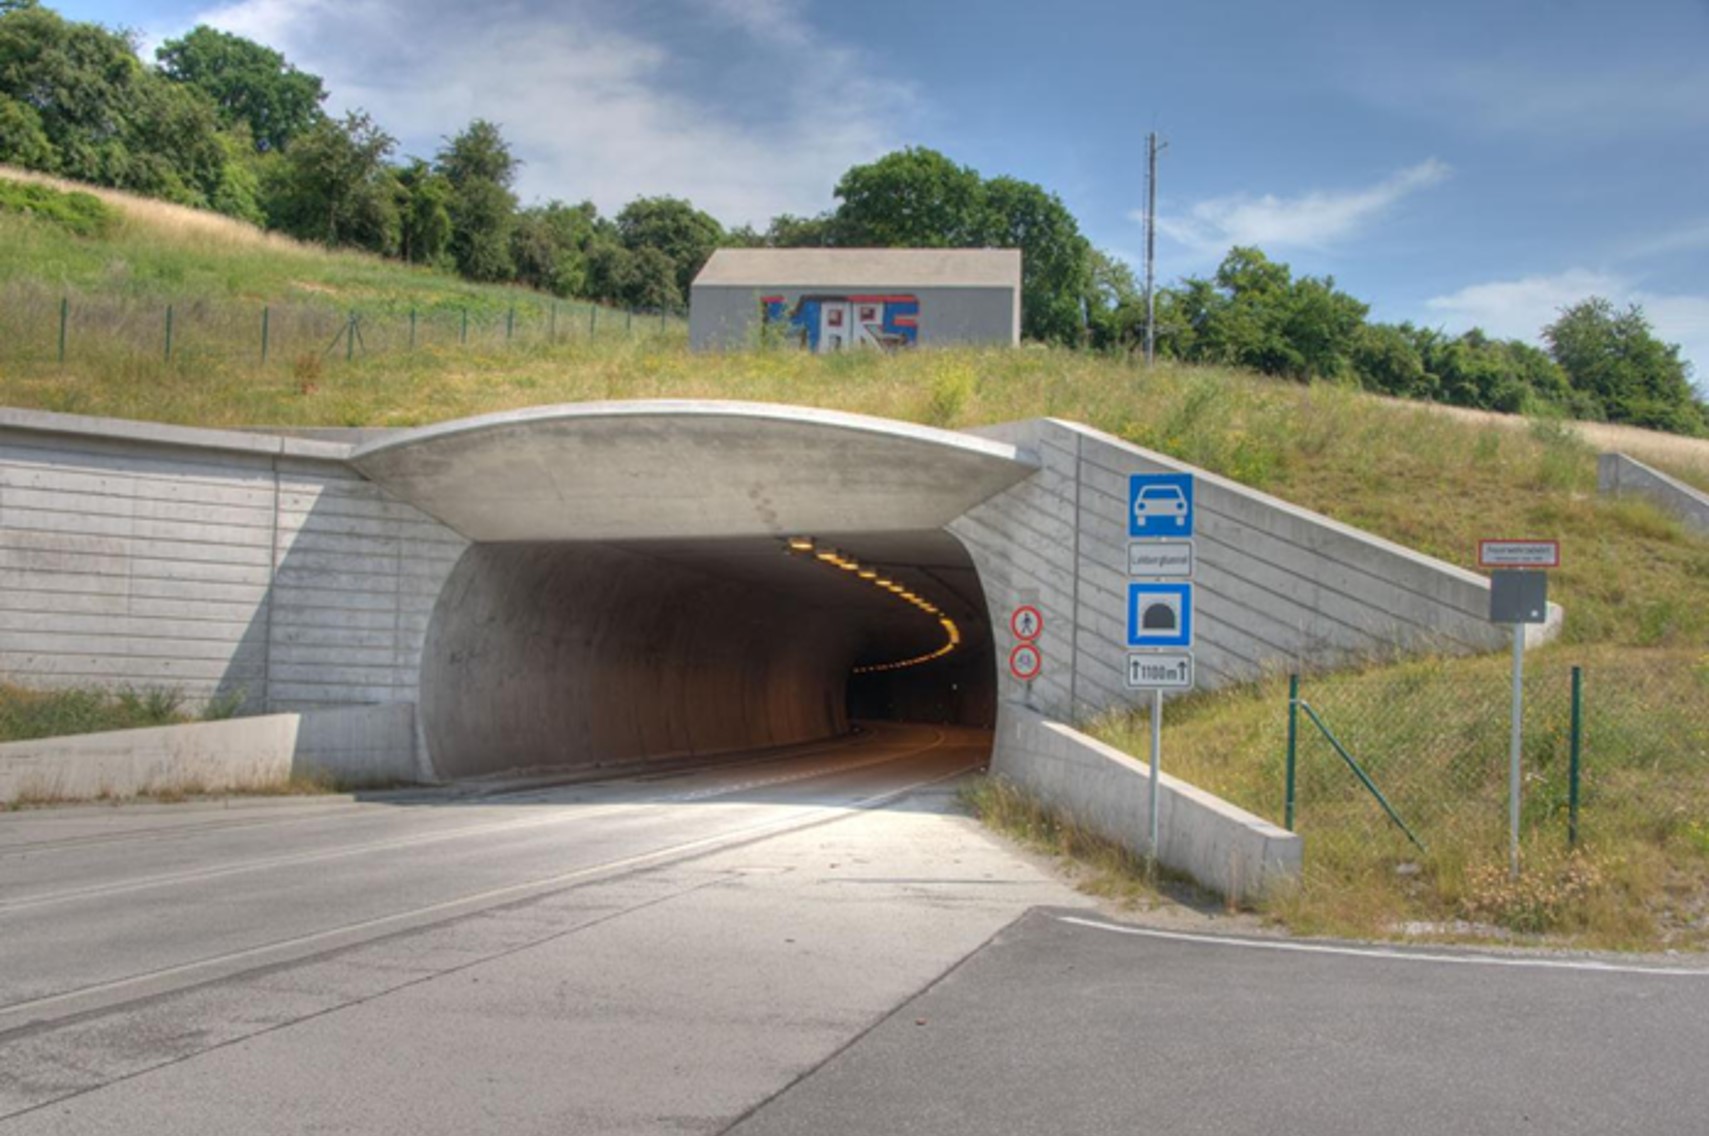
{"x":587,"y":653}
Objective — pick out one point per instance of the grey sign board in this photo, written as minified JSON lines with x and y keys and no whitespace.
{"x":1518,"y":597}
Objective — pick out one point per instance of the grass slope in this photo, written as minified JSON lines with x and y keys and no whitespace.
{"x":1633,"y":582}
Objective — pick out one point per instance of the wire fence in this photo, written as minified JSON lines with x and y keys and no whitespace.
{"x":37,"y":328}
{"x":1413,"y":764}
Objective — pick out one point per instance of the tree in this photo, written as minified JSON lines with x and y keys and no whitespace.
{"x":479,"y":166}
{"x":1255,"y":314}
{"x":789,"y":231}
{"x":1056,"y":261}
{"x":248,"y":83}
{"x":914,"y":198}
{"x":333,"y":183}
{"x":425,"y":214}
{"x":549,"y":246}
{"x":1614,"y":358}
{"x":683,"y":234}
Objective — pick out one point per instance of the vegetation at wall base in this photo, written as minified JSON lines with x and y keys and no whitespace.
{"x":28,"y":714}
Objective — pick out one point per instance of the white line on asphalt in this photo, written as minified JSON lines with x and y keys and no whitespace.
{"x":1389,"y":955}
{"x":236,"y":962}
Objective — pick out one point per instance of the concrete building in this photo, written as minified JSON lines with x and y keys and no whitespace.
{"x":831,"y":299}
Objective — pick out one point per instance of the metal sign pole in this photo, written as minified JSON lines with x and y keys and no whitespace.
{"x":1513,"y":772}
{"x":1156,"y":760}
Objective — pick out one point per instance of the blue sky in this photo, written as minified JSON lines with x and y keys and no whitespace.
{"x":1450,"y":163}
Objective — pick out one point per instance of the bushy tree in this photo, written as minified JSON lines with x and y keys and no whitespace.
{"x":549,"y":245}
{"x":480,"y":168}
{"x":683,"y":234}
{"x":1254,"y":313}
{"x":333,"y":185}
{"x":1056,"y":261}
{"x":424,"y":214}
{"x":1612,"y":357}
{"x":913,"y":198}
{"x":250,"y":84}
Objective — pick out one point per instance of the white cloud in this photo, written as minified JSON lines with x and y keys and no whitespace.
{"x":1520,"y":309}
{"x":1312,"y":220}
{"x":1609,"y":99}
{"x":597,"y":106}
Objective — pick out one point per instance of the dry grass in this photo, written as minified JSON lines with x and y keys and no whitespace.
{"x":174,"y":222}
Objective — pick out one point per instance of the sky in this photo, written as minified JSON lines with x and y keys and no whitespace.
{"x":1453,"y":164}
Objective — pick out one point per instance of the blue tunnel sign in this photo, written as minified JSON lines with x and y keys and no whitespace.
{"x":1159,"y":615}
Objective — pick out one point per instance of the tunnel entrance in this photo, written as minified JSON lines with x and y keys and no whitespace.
{"x":555,"y":653}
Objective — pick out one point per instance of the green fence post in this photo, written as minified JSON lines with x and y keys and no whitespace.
{"x":266,"y":314}
{"x":64,"y":316}
{"x":1573,"y":759}
{"x":412,"y":329}
{"x":629,"y":322}
{"x":350,"y":339}
{"x":1293,"y":749}
{"x":552,"y":326}
{"x":169,"y":333}
{"x":464,"y":337}
{"x":592,"y":319}
{"x":510,"y":324}
{"x":663,"y":315}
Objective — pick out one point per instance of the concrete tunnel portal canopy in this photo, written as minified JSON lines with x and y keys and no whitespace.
{"x":630,"y":592}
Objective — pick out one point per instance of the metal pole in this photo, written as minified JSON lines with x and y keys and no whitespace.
{"x":592,"y":319}
{"x":1513,"y":772}
{"x":1150,"y":248}
{"x":1293,"y":748}
{"x":552,"y":326}
{"x":169,"y":333}
{"x":510,"y":324}
{"x":266,"y":314}
{"x":463,"y":337}
{"x":629,"y":322}
{"x":412,"y":329}
{"x":64,"y":316}
{"x":1573,"y":768}
{"x":1156,"y":763}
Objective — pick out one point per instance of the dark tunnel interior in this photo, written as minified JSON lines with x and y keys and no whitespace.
{"x":558,"y":654}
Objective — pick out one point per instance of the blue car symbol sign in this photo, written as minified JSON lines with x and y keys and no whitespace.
{"x":1160,"y":504}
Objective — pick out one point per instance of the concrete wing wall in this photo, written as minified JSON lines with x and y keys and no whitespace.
{"x":253,"y":568}
{"x":1277,"y":586}
{"x":1621,"y":475}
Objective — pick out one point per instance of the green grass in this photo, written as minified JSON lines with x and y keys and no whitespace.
{"x":1633,"y":580}
{"x":28,"y":714}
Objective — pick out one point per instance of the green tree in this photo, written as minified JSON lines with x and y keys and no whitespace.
{"x":789,"y":231}
{"x":22,"y":140}
{"x":480,"y":168}
{"x":425,"y":214}
{"x":1614,"y":358}
{"x":1255,"y":314}
{"x":1056,"y":261}
{"x":1386,"y":358}
{"x":333,"y":185}
{"x":914,"y":198}
{"x":684,"y":234}
{"x":248,"y":83}
{"x":549,"y":245}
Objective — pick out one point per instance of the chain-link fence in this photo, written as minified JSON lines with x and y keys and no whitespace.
{"x":1412,"y":764}
{"x":38,"y":328}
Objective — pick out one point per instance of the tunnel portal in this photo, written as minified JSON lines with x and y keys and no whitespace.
{"x":660,"y":580}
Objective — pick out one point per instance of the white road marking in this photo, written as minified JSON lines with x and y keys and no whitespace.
{"x":1387,"y":954}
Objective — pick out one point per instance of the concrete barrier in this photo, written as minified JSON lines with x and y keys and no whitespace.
{"x":357,"y":745}
{"x":1222,"y":847}
{"x":1619,"y":475}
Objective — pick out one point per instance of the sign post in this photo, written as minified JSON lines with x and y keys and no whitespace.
{"x":1518,"y":595}
{"x":1159,"y":603}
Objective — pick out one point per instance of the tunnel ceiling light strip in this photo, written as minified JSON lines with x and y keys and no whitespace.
{"x":830,"y":556}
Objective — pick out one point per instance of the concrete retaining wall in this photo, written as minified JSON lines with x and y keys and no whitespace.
{"x":359,"y":745}
{"x":1224,"y":848}
{"x":1277,"y":586}
{"x":1618,"y":474}
{"x":257,"y":568}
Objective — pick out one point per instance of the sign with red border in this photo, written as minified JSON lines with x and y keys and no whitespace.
{"x":1025,"y":661}
{"x":1519,"y":554}
{"x":1027,"y":623}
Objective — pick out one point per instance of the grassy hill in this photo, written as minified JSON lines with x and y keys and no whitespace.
{"x":1634,"y":582}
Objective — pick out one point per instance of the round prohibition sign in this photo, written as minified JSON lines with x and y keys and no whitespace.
{"x":1025,"y":661}
{"x":1027,"y":623}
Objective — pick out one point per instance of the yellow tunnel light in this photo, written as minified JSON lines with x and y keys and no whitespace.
{"x":868,"y":574}
{"x":801,"y":544}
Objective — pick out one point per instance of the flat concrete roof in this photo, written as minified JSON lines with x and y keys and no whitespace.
{"x":686,"y":470}
{"x":862,"y":268}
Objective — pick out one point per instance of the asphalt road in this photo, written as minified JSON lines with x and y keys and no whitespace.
{"x":644,"y":955}
{"x":1066,"y":1024}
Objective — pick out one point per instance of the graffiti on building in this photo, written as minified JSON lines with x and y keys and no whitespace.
{"x":827,"y":323}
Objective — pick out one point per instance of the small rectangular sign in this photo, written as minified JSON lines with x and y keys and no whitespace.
{"x":1517,"y":596}
{"x":1160,"y":505}
{"x":1519,"y":554}
{"x":1160,"y":670}
{"x":1163,"y":559}
{"x":1160,"y":615}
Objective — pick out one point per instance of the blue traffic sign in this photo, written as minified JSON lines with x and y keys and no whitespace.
{"x":1159,"y":615}
{"x":1160,"y":504}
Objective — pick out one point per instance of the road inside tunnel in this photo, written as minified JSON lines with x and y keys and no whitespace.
{"x":555,"y":654}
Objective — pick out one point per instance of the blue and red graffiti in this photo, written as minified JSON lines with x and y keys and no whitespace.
{"x":826,"y":323}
